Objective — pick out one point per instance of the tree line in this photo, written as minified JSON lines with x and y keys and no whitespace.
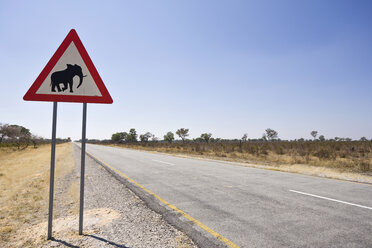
{"x":183,"y":133}
{"x":21,"y":137}
{"x":131,"y":136}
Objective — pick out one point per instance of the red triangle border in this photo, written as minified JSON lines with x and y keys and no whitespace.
{"x":72,"y":36}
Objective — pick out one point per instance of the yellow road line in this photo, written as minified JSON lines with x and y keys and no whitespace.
{"x":195,"y":221}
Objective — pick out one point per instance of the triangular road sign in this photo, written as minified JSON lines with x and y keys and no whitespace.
{"x":69,"y":76}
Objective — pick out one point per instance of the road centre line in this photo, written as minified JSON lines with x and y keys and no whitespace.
{"x":162,"y":162}
{"x":330,"y":199}
{"x":192,"y":219}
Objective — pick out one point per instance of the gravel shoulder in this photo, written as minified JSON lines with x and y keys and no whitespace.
{"x":113,"y":215}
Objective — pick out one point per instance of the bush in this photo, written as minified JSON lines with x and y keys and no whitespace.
{"x":323,"y":154}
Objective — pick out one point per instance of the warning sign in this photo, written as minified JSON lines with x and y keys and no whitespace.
{"x":69,"y":76}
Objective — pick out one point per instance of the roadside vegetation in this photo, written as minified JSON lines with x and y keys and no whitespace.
{"x":24,"y":179}
{"x":343,"y":154}
{"x":24,"y":187}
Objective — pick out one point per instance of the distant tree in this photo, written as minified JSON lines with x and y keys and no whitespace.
{"x":215,"y":140}
{"x":13,"y":131}
{"x":19,"y":135}
{"x":119,"y":137}
{"x":183,"y":133}
{"x":264,"y":138}
{"x":271,"y":134}
{"x":37,"y":139}
{"x":25,"y":131}
{"x":363,"y":139}
{"x":123,"y":136}
{"x":154,"y":138}
{"x":145,"y":137}
{"x":245,"y":137}
{"x":321,"y":138}
{"x":169,"y":137}
{"x":132,"y":135}
{"x":206,"y":137}
{"x":314,"y":134}
{"x":115,"y":137}
{"x":3,"y":131}
{"x":348,"y":139}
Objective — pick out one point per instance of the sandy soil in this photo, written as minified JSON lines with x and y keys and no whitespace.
{"x":114,"y":216}
{"x":24,"y":186}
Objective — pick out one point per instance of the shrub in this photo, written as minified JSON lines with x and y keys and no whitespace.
{"x":323,"y":154}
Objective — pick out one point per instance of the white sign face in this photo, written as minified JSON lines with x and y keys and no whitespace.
{"x":66,"y":75}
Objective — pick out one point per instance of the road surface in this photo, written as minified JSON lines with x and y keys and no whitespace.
{"x":252,"y":207}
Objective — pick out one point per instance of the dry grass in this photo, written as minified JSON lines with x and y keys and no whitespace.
{"x":74,"y":192}
{"x":24,"y":185}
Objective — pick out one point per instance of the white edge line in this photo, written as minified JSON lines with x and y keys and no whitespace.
{"x":162,"y":162}
{"x":330,"y":199}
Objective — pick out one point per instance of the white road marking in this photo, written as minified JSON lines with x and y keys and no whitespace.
{"x":162,"y":162}
{"x":330,"y":199}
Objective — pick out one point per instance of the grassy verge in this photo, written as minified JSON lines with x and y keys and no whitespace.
{"x":24,"y":185}
{"x":342,"y":160}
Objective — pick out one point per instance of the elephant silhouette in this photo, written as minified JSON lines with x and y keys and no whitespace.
{"x":65,"y":77}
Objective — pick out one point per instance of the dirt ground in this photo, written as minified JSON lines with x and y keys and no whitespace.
{"x":24,"y":186}
{"x":113,"y":215}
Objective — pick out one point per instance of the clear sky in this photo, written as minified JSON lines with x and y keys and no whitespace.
{"x":224,"y":67}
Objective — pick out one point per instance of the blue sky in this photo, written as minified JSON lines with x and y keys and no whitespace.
{"x":224,"y":67}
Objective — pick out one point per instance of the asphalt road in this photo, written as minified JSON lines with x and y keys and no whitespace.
{"x":253,"y":207}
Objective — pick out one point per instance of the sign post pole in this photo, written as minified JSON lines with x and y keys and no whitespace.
{"x":82,"y":174}
{"x":52,"y":165}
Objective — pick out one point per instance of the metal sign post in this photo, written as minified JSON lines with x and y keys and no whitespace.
{"x":82,"y":174}
{"x":52,"y":163}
